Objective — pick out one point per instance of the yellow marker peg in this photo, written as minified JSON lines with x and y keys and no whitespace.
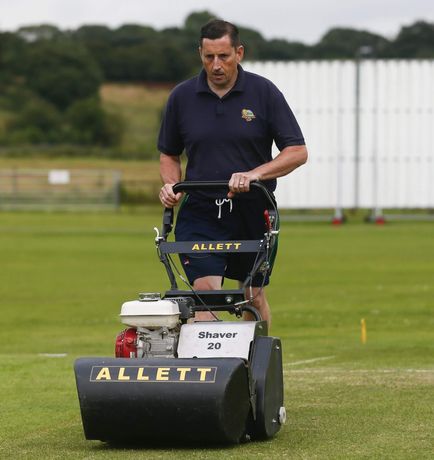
{"x":363,"y":336}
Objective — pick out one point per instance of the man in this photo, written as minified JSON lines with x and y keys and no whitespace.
{"x":226,"y":120}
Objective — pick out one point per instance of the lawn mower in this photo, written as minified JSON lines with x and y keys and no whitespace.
{"x":173,"y":379}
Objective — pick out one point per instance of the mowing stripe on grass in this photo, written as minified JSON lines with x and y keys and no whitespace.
{"x":308,"y":361}
{"x":53,"y":355}
{"x":330,"y":370}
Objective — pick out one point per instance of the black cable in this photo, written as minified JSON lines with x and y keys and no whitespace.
{"x":191,"y":288}
{"x":263,"y":276}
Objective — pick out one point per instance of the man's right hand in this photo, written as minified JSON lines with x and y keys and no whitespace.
{"x":167,"y":197}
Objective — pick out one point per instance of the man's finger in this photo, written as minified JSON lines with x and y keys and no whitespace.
{"x":238,"y":183}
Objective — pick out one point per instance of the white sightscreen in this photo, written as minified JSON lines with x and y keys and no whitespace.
{"x":396,"y":167}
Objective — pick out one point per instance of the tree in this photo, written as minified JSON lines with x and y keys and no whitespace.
{"x":90,"y":124}
{"x":253,"y":43}
{"x":98,"y":42}
{"x":342,"y":43}
{"x":281,"y":50}
{"x":133,"y":34}
{"x":36,"y":122}
{"x":40,"y":32}
{"x":60,"y":72}
{"x":12,"y":48}
{"x":416,"y":40}
{"x":195,"y":21}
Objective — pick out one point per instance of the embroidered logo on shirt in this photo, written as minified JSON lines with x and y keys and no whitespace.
{"x":247,"y":114}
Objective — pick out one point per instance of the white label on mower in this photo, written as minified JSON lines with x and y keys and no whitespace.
{"x":216,"y":339}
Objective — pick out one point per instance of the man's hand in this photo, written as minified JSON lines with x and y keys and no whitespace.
{"x":240,"y":182}
{"x":167,"y":197}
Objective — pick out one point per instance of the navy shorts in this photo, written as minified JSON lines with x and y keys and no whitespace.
{"x":202,"y":219}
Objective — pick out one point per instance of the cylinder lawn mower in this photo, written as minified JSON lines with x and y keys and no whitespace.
{"x":172,"y":378}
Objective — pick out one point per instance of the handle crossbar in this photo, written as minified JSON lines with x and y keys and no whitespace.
{"x":189,"y":186}
{"x":207,"y":247}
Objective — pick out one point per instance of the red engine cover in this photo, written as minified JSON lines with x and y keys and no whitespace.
{"x":126,"y":344}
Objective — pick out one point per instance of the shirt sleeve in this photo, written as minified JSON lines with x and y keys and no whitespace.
{"x":285,"y":129}
{"x":169,"y":139}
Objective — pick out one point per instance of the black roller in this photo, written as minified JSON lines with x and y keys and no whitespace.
{"x":156,"y":400}
{"x":267,"y":375}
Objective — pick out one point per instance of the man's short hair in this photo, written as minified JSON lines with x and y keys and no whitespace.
{"x":217,"y":28}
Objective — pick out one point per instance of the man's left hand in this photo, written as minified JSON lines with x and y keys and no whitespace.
{"x":240,"y":182}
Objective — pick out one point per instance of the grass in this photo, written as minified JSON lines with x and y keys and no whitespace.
{"x":64,"y":277}
{"x":141,"y":109}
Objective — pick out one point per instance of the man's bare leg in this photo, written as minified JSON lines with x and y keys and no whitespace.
{"x":260,"y":303}
{"x":207,"y":283}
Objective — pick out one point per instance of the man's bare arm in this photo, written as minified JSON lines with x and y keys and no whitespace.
{"x":289,"y":158}
{"x":170,"y":173}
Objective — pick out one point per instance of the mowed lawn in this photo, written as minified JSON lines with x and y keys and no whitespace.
{"x":63,"y":279}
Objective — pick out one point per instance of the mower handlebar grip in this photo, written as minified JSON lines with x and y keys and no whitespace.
{"x":188,"y":186}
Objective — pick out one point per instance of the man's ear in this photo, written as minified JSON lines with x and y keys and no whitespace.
{"x":240,"y":53}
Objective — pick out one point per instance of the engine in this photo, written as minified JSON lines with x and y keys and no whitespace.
{"x":154,"y":326}
{"x":147,"y":343}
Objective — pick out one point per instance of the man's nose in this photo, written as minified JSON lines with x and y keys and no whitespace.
{"x":216,"y":63}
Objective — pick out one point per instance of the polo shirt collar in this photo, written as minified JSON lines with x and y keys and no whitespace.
{"x":202,"y":83}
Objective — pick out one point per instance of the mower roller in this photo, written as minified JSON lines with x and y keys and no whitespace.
{"x":184,"y":381}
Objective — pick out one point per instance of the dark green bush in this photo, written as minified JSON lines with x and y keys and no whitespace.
{"x":88,"y":123}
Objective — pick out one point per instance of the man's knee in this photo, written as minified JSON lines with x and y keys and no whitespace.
{"x":208,"y":283}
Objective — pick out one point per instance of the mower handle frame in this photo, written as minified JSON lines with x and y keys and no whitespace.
{"x":164,"y":247}
{"x":189,"y":186}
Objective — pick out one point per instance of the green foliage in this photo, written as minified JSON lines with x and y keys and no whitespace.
{"x":138,"y":53}
{"x":195,"y":21}
{"x":34,"y":120}
{"x":51,"y":88}
{"x":281,"y":50}
{"x":90,"y":124}
{"x":341,"y":43}
{"x":45,"y":32}
{"x":416,"y":40}
{"x":140,"y":107}
{"x":58,"y":74}
{"x":37,"y":122}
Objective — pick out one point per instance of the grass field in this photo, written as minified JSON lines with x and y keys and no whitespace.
{"x":64,"y":277}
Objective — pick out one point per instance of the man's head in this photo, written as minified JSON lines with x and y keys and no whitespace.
{"x":220,"y":52}
{"x":217,"y":28}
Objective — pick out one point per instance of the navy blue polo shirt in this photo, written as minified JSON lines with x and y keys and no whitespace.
{"x":231,"y":134}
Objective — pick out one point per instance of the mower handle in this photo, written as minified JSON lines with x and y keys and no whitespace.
{"x":188,"y":186}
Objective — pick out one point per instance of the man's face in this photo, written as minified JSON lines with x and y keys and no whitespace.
{"x":220,"y":60}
